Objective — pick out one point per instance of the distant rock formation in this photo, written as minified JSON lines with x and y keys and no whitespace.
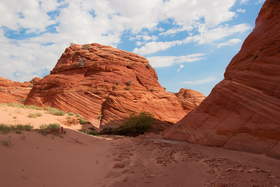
{"x":106,"y":85}
{"x":190,"y":99}
{"x":243,"y":111}
{"x":13,"y":92}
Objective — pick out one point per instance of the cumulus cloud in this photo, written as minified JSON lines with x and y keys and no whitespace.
{"x":153,"y":47}
{"x":49,"y":26}
{"x":201,"y":81}
{"x":229,"y":42}
{"x":210,"y":35}
{"x":165,"y":61}
{"x":205,"y":36}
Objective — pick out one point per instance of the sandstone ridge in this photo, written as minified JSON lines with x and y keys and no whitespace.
{"x":243,"y":111}
{"x":106,"y":85}
{"x":13,"y":92}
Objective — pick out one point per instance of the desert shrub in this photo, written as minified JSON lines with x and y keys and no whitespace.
{"x":50,"y":110}
{"x":92,"y":132}
{"x":5,"y":128}
{"x":136,"y":125}
{"x":52,"y":128}
{"x":55,"y":111}
{"x":108,"y":130}
{"x":18,"y":128}
{"x":23,"y":127}
{"x":34,"y":115}
{"x":18,"y":105}
{"x":83,"y":121}
{"x":133,"y":126}
{"x":70,"y":114}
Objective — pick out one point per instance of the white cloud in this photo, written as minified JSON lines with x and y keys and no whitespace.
{"x":165,"y":61}
{"x":153,"y":47}
{"x":205,"y":36}
{"x":180,"y":68}
{"x":229,"y":42}
{"x":201,"y":81}
{"x":241,"y":10}
{"x":244,"y":1}
{"x":210,"y":35}
{"x":23,"y":59}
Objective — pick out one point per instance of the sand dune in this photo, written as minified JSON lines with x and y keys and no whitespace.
{"x":74,"y":159}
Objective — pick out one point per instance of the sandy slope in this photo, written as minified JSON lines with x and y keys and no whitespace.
{"x":74,"y":159}
{"x":20,"y":116}
{"x":34,"y":160}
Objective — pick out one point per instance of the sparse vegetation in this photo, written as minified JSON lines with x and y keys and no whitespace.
{"x":92,"y":132}
{"x":52,"y":128}
{"x":83,"y":121}
{"x":133,"y":126}
{"x":5,"y":128}
{"x":70,"y":114}
{"x":50,"y":110}
{"x":34,"y":115}
{"x":17,"y":128}
{"x":23,"y":127}
{"x":18,"y":105}
{"x":55,"y":111}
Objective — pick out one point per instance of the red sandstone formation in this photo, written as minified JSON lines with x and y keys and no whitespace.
{"x":106,"y":85}
{"x":13,"y":92}
{"x":190,"y":99}
{"x":243,"y":111}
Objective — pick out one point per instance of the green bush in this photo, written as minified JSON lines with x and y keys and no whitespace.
{"x":5,"y":128}
{"x":108,"y":130}
{"x":18,"y":128}
{"x":70,"y":114}
{"x":133,"y":126}
{"x":23,"y":127}
{"x":92,"y":132}
{"x":83,"y":121}
{"x":52,"y":128}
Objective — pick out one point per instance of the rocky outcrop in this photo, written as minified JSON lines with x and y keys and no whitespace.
{"x":106,"y":85}
{"x":13,"y":92}
{"x":190,"y":99}
{"x":243,"y":111}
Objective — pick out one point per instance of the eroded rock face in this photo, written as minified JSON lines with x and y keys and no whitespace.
{"x":243,"y":111}
{"x":106,"y":85}
{"x":190,"y":99}
{"x":13,"y":92}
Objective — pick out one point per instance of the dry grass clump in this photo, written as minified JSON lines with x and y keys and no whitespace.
{"x":17,"y":128}
{"x":34,"y":115}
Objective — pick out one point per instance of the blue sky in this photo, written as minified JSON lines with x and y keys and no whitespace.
{"x":188,"y":42}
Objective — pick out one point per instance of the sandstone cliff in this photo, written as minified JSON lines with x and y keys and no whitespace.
{"x":106,"y":85}
{"x":243,"y":111}
{"x":13,"y":92}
